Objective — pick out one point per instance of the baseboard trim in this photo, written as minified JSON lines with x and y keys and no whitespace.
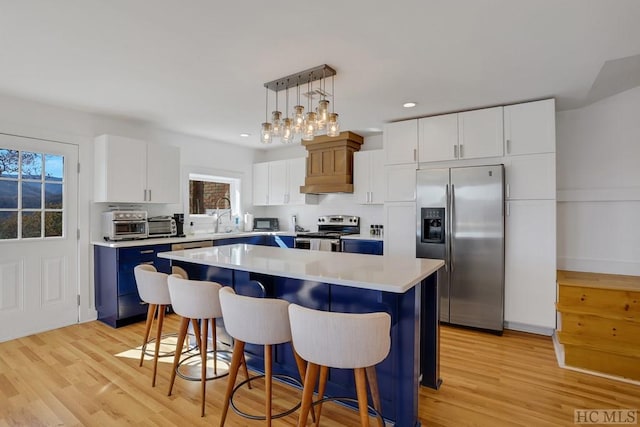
{"x":532,"y":329}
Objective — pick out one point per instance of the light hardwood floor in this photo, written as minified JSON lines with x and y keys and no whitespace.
{"x":88,"y":374}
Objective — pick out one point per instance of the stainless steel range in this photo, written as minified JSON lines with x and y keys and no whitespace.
{"x":330,"y":228}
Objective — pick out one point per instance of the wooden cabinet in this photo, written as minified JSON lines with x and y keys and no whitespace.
{"x":530,"y":265}
{"x":400,"y":229}
{"x":530,"y":128}
{"x":278,"y":183}
{"x":530,"y":177}
{"x":117,"y":300}
{"x":600,"y":322}
{"x":438,"y":138}
{"x":480,"y":133}
{"x":368,"y":177}
{"x":400,"y":140}
{"x":133,"y":171}
{"x":400,"y":183}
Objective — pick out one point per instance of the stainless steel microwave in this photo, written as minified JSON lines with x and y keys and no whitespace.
{"x":265,"y":224}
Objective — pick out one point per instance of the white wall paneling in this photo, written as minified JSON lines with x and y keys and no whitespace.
{"x":598,"y":182}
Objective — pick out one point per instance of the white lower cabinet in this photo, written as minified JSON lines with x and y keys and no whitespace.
{"x":530,"y":265}
{"x":400,"y":229}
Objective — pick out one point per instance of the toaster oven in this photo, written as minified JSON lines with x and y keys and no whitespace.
{"x":124,"y":225}
{"x":162,"y":226}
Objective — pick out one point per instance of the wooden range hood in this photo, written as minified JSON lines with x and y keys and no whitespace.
{"x":330,"y":163}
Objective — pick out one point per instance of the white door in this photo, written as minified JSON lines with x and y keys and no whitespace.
{"x":480,"y":133}
{"x":38,"y":236}
{"x":163,"y":173}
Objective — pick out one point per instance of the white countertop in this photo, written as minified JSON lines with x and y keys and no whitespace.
{"x":190,"y":238}
{"x":362,"y":237}
{"x":381,"y":273}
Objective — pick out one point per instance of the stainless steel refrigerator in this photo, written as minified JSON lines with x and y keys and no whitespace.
{"x":461,"y":220}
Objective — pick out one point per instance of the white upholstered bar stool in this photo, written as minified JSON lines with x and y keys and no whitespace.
{"x":153,"y":289}
{"x":345,"y":341}
{"x":262,"y":321}
{"x":196,"y":301}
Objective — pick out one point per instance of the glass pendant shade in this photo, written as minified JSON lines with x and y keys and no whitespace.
{"x":265,"y":133}
{"x":298,"y":118}
{"x":323,"y":113}
{"x":276,"y":124}
{"x":333,"y":125}
{"x":287,"y":131}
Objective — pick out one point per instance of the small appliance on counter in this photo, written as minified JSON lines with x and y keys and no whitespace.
{"x":266,"y":224}
{"x":124,"y":225}
{"x":248,"y":222}
{"x":179,"y":218}
{"x":162,"y":226}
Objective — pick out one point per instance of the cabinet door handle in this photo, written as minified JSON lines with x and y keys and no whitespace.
{"x":415,"y":154}
{"x":508,"y":146}
{"x":149,"y":195}
{"x":148,"y":251}
{"x":461,"y":151}
{"x":508,"y":190}
{"x":145,"y":195}
{"x":455,"y":151}
{"x":508,"y":209}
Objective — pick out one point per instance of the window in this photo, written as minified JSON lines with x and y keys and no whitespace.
{"x":208,"y":192}
{"x":31,"y":194}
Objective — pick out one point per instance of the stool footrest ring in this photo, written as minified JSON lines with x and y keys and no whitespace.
{"x":215,"y":353}
{"x":262,"y":417}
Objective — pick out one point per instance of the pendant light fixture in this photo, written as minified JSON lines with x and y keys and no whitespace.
{"x":316,"y":120}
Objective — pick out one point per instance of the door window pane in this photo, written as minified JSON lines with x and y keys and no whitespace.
{"x":52,"y":224}
{"x":53,"y":196}
{"x":31,"y":195}
{"x":8,"y":224}
{"x":9,"y":194}
{"x":31,"y":224}
{"x":31,"y":165}
{"x":53,"y":167}
{"x":8,"y":163}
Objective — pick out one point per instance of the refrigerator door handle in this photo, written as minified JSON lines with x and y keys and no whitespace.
{"x":446,"y":231}
{"x":452,"y":222}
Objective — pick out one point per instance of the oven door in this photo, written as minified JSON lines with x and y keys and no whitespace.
{"x":332,"y":245}
{"x":128,"y":230}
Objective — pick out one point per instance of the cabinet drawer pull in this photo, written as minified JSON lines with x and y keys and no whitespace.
{"x":148,"y":251}
{"x":143,"y":303}
{"x":147,"y":262}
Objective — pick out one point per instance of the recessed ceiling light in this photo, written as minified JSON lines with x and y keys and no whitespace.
{"x":245,"y":135}
{"x":409,"y":104}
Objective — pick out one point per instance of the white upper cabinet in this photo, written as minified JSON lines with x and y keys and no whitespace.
{"x":400,"y":141}
{"x":278,"y":183}
{"x":133,"y":171}
{"x":530,"y":177}
{"x":400,"y":183}
{"x":480,"y":133}
{"x":261,"y":184}
{"x":530,"y":128}
{"x":368,"y":177}
{"x":438,"y":138}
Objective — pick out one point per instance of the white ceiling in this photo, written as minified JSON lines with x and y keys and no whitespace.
{"x":198,"y":66}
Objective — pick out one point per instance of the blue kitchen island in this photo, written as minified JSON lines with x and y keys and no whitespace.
{"x":341,"y":282}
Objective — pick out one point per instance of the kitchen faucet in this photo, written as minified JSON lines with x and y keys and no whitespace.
{"x":218,"y":216}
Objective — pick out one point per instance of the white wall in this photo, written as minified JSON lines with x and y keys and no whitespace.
{"x":32,"y":119}
{"x":598,"y":179}
{"x":328,"y":204}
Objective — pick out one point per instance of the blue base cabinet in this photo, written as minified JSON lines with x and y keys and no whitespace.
{"x":117,"y":299}
{"x":371,"y":247}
